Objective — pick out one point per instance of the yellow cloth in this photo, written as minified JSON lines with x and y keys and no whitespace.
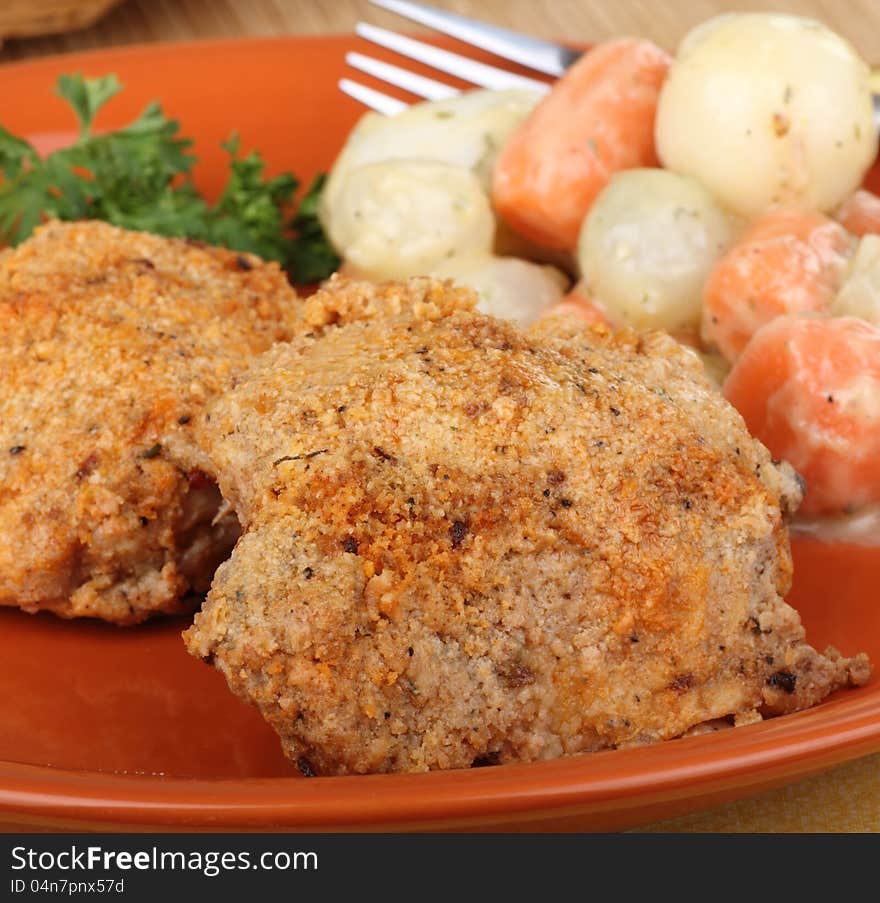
{"x":843,"y":800}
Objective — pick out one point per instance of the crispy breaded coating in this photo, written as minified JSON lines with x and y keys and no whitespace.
{"x":111,"y":343}
{"x":466,"y":544}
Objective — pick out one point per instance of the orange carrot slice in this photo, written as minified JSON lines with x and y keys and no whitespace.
{"x":576,"y":304}
{"x":809,"y":389}
{"x":860,"y":213}
{"x":787,"y":262}
{"x":598,"y":119}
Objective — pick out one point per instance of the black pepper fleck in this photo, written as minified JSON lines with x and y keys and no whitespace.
{"x":350,"y":545}
{"x":314,"y":454}
{"x":783,"y":680}
{"x":306,"y":768}
{"x":682,"y":682}
{"x":487,"y":759}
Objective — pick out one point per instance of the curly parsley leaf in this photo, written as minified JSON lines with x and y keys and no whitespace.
{"x":250,"y":213}
{"x":139,"y":177}
{"x":87,"y":96}
{"x":312,"y":257}
{"x":14,"y":154}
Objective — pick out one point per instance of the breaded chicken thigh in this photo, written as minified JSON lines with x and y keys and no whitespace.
{"x":467,"y":544}
{"x":111,"y":343}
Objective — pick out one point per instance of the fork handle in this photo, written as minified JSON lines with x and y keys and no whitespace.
{"x":542,"y":56}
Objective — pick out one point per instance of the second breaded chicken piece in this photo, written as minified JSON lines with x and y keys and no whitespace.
{"x":112,"y":342}
{"x":466,"y":544}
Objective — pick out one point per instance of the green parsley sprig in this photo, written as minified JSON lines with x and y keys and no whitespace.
{"x":139,"y":177}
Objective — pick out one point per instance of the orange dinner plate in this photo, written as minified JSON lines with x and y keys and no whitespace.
{"x":118,"y":728}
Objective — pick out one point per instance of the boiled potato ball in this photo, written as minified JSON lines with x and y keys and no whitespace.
{"x":647,"y":246}
{"x":768,"y":109}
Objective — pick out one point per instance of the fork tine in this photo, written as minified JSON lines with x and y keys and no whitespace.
{"x":401,"y":78}
{"x":451,"y":63}
{"x":543,"y":56}
{"x":369,"y":97}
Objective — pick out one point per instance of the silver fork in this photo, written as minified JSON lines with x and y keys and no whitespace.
{"x":542,"y":56}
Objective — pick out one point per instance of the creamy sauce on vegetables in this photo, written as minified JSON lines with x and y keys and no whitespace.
{"x":861,"y":528}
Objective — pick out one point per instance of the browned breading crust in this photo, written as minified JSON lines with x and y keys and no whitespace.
{"x":111,"y":343}
{"x":467,"y":544}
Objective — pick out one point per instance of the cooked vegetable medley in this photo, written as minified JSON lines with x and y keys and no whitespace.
{"x":717,"y":194}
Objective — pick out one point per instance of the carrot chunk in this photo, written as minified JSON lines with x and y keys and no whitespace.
{"x":598,"y":119}
{"x":860,"y":213}
{"x":577,"y":304}
{"x":788,"y":261}
{"x":809,"y":389}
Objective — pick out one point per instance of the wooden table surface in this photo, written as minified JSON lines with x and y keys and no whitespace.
{"x":844,"y":799}
{"x":664,"y":21}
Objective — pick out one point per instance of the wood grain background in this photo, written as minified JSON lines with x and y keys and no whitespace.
{"x":664,"y":21}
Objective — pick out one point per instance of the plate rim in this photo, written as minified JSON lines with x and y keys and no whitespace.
{"x":580,"y":784}
{"x":842,"y":729}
